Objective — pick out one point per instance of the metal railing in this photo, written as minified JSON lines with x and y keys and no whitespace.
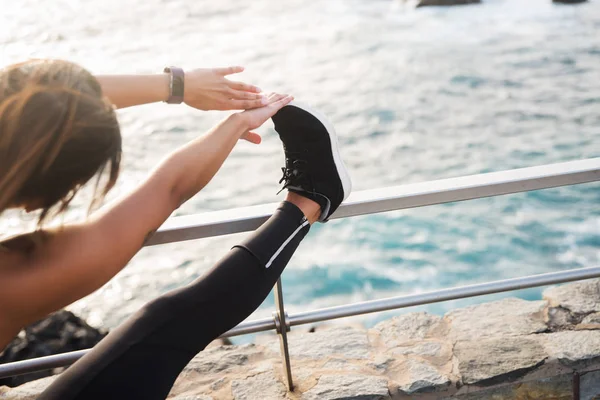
{"x":361,"y":203}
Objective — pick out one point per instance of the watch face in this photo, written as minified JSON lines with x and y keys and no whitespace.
{"x":177,"y":83}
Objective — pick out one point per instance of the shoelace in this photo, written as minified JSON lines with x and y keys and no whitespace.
{"x":294,"y":173}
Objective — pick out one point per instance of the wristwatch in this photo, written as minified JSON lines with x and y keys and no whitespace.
{"x":175,"y":85}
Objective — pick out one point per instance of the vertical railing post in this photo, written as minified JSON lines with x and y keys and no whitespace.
{"x":576,"y":386}
{"x":283,"y":327}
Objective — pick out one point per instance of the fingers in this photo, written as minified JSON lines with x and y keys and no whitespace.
{"x":243,"y":87}
{"x":252,"y":137}
{"x":228,"y":70}
{"x":272,"y":98}
{"x":239,"y":95}
{"x":277,"y":101}
{"x":245,"y":104}
{"x":283,"y":102}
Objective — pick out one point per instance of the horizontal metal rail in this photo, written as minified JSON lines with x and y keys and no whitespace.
{"x":369,"y":202}
{"x":60,"y":360}
{"x":393,"y":198}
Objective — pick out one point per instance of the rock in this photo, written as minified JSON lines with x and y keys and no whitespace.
{"x":578,"y":297}
{"x":28,"y":391}
{"x":415,"y":334}
{"x":556,"y":388}
{"x":572,"y":347}
{"x":499,"y":359}
{"x":60,"y":332}
{"x":430,"y":349}
{"x":490,"y":351}
{"x":337,"y":364}
{"x":348,"y":387}
{"x":218,"y":384}
{"x":223,"y":358}
{"x":590,"y":386}
{"x":501,"y":393}
{"x":507,"y":317}
{"x":347,"y":342}
{"x":381,"y":363}
{"x":558,"y":318}
{"x":262,"y":386}
{"x":426,"y":3}
{"x":422,"y":377}
{"x":409,"y":327}
{"x":592,"y":319}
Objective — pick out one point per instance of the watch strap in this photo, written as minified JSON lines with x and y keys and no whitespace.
{"x":176,"y":85}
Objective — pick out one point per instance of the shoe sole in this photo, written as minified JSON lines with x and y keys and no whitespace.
{"x":337,"y":158}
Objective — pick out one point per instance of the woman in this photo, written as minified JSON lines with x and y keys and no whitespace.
{"x":58,"y":130}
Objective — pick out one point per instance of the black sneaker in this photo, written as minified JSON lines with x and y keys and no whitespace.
{"x":313,"y":166}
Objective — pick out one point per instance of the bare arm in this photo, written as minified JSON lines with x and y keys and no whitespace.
{"x":77,"y":259}
{"x":204,"y":89}
{"x":132,"y":90}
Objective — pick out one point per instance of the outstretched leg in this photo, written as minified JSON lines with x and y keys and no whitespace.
{"x":142,"y":358}
{"x":159,"y":340}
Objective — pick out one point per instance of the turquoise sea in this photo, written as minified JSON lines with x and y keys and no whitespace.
{"x":415,"y":95}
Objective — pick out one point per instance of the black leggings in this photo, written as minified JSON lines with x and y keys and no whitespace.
{"x":142,"y":357}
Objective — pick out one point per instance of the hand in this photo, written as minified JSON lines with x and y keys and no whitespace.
{"x":209,"y":89}
{"x":258,"y":116}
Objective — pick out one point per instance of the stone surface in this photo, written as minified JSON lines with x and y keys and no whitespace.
{"x":409,"y":327}
{"x":578,"y":297}
{"x":496,"y":351}
{"x":223,"y":358}
{"x":427,"y":349}
{"x":427,"y":3}
{"x":28,"y":391}
{"x":381,"y":363}
{"x":558,"y":318}
{"x":590,"y":386}
{"x":337,"y":364}
{"x":58,"y":333}
{"x":488,"y":361}
{"x":218,"y":384}
{"x":348,"y":387}
{"x":557,"y":388}
{"x":501,"y":393}
{"x":262,"y":386}
{"x":572,"y":347}
{"x":592,"y":319}
{"x":507,"y":317}
{"x":422,"y":376}
{"x":569,"y":1}
{"x":346,"y":342}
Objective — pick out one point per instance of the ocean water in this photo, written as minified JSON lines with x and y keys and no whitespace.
{"x":415,"y":95}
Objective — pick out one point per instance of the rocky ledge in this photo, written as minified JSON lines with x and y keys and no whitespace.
{"x":428,"y":3}
{"x":509,"y":349}
{"x":58,"y":333}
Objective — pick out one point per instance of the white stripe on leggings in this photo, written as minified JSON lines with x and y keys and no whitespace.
{"x":280,"y":249}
